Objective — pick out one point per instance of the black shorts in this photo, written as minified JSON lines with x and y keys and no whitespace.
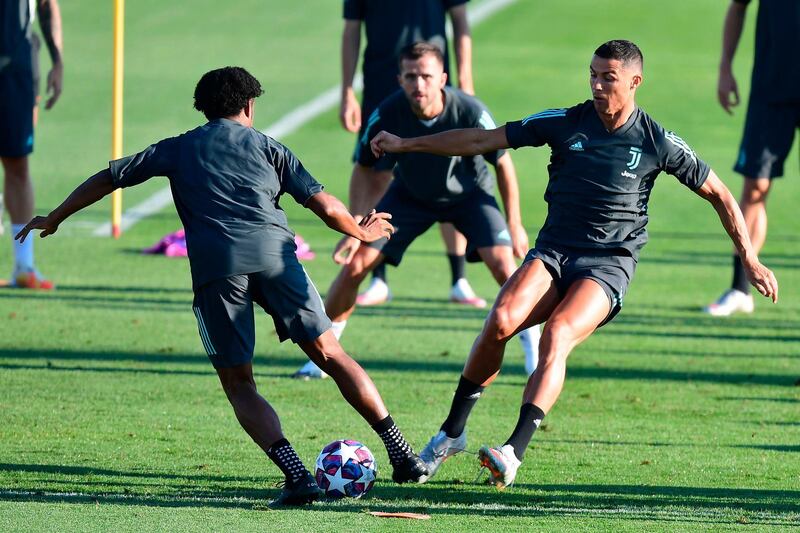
{"x":17,"y":99}
{"x":612,"y":272}
{"x":224,"y":311}
{"x":477,"y":216}
{"x":769,"y":131}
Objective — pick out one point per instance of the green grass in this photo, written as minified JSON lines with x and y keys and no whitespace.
{"x":111,"y":416}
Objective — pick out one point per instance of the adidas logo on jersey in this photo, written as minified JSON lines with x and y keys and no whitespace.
{"x":576,"y":146}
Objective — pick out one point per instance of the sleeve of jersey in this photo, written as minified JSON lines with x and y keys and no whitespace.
{"x":296,"y":180}
{"x":486,"y":122}
{"x":533,"y":129}
{"x":364,"y":155}
{"x":156,"y":160}
{"x":683,"y":163}
{"x":354,"y":9}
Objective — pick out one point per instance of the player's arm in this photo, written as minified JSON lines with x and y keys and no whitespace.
{"x":349,"y":109}
{"x":727,"y":89}
{"x":467,"y":141}
{"x":509,"y":193}
{"x":87,"y":193}
{"x":50,"y":22}
{"x":729,"y":213}
{"x":333,"y":212}
{"x":462,"y":44}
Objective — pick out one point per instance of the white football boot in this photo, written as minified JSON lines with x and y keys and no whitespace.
{"x":462,"y":293}
{"x":502,"y":464}
{"x":376,"y":294}
{"x":732,"y":301}
{"x":309,"y":371}
{"x":438,"y":449}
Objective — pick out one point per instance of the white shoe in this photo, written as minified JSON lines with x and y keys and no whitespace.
{"x":529,"y":339}
{"x":731,"y":301}
{"x":310,"y":371}
{"x":462,"y":293}
{"x":438,"y":449}
{"x":376,"y":294}
{"x":502,"y":464}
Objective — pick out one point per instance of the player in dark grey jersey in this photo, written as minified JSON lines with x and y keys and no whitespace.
{"x":605,"y":156}
{"x":227,"y":180}
{"x":773,"y":118}
{"x":427,"y":189}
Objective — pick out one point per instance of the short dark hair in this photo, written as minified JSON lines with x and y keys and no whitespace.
{"x":621,"y":50}
{"x":224,"y":92}
{"x":416,"y":50}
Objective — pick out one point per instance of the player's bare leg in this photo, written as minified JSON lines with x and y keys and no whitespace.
{"x":526,"y":299}
{"x":461,"y":291}
{"x":360,"y":392}
{"x":753,"y":204}
{"x":581,"y":310}
{"x":341,"y":301}
{"x":500,"y":261}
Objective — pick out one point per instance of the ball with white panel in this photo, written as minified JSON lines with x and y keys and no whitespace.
{"x":345,"y":468}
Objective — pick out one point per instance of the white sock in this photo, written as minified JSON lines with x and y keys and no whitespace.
{"x":338,"y":328}
{"x":529,"y":338}
{"x":23,"y":251}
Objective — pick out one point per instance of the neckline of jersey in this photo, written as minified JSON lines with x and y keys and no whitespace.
{"x":622,"y":129}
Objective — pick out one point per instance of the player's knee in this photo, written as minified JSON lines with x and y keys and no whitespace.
{"x":755,"y":191}
{"x":355,"y":272}
{"x":501,"y":324}
{"x":557,"y":334}
{"x":236,"y":380}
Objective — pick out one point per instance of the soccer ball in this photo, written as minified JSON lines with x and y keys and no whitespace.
{"x":345,"y":468}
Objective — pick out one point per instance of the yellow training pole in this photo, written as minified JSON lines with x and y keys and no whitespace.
{"x":116,"y":113}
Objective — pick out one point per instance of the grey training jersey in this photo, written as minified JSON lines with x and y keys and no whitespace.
{"x":776,"y":62}
{"x":226,"y":180}
{"x":600,"y":182}
{"x":431,"y":179}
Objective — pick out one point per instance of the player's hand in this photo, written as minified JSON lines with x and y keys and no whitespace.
{"x":763,"y":280}
{"x":47,"y":226}
{"x":385,"y":142}
{"x":345,"y":250}
{"x":376,"y":226}
{"x":55,"y":79}
{"x":519,"y":240}
{"x":350,"y":113}
{"x":727,"y":91}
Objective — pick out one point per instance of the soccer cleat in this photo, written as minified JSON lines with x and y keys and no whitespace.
{"x":412,"y":469}
{"x":300,"y":492}
{"x":462,"y":293}
{"x":30,"y":279}
{"x":731,"y":301}
{"x":502,"y":464}
{"x":376,"y":294}
{"x":309,"y":371}
{"x":438,"y":449}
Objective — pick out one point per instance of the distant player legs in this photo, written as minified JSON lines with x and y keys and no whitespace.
{"x":754,"y":209}
{"x":17,"y":189}
{"x":341,"y":299}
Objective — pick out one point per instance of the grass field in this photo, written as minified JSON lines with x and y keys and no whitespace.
{"x":112,"y":418}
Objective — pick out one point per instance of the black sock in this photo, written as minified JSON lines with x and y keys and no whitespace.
{"x":379,"y":272}
{"x":467,"y":393}
{"x":530,"y":417}
{"x":739,"y":282}
{"x":457,"y":264}
{"x":396,"y":445}
{"x":284,"y":456}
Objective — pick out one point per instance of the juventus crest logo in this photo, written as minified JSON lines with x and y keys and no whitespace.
{"x":636,"y":157}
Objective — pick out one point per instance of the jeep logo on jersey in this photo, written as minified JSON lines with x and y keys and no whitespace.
{"x":636,"y":157}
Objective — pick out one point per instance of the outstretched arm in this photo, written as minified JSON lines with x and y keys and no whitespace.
{"x":469,"y":141}
{"x":509,"y":192}
{"x":729,"y":213}
{"x":84,"y":195}
{"x":372,"y":227}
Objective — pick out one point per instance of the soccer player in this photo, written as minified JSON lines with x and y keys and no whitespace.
{"x":227,"y":180}
{"x":428,"y":189}
{"x":19,"y":80}
{"x":773,"y":116}
{"x":390,"y":25}
{"x":605,"y":155}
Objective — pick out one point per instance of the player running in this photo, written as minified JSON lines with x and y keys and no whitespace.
{"x":227,"y":179}
{"x":428,"y":189}
{"x":605,"y":156}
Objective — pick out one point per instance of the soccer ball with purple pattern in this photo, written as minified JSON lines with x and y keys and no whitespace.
{"x":345,"y":468}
